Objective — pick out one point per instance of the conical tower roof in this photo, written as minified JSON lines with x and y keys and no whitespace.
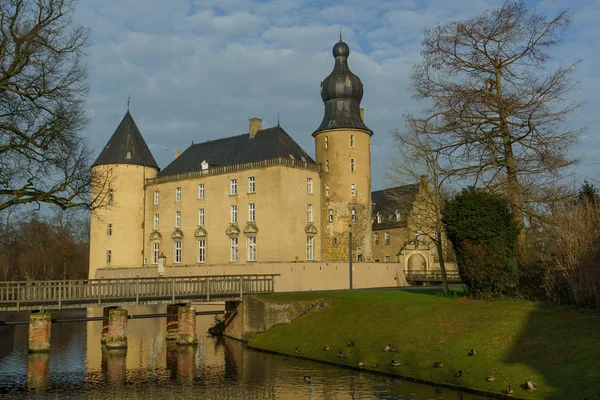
{"x":126,"y":146}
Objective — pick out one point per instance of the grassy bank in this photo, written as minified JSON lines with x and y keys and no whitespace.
{"x":516,"y":341}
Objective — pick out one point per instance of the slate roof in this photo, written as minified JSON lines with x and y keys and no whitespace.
{"x":126,"y":139}
{"x":387,"y":201}
{"x":267,"y":143}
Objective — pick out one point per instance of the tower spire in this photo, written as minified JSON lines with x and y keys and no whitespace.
{"x":340,"y":33}
{"x":128,"y":99}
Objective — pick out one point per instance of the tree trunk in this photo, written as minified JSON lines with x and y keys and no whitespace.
{"x":438,"y":246}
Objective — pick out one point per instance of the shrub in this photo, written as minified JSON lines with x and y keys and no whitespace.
{"x":484,"y":235}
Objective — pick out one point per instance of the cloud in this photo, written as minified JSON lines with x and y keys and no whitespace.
{"x":197,"y":70}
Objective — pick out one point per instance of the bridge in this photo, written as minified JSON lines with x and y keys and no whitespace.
{"x":431,"y":276}
{"x":58,"y":295}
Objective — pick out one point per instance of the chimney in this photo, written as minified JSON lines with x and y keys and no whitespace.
{"x":177,"y":153}
{"x":254,"y":125}
{"x":362,"y":114}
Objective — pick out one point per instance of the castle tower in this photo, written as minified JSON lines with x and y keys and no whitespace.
{"x":117,"y":226}
{"x":343,"y":149}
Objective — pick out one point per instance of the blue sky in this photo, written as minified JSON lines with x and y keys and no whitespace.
{"x":197,"y":70}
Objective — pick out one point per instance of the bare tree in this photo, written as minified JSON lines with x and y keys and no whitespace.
{"x":413,"y":160}
{"x":494,"y":113}
{"x":43,"y":83}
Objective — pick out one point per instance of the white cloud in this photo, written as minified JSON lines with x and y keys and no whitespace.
{"x":197,"y":70}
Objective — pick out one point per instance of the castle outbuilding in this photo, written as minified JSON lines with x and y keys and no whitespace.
{"x":252,"y":198}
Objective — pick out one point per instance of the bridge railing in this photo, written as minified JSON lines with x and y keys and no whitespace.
{"x":96,"y":292}
{"x":421,"y":275}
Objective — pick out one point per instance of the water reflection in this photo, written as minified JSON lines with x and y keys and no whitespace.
{"x":153,"y":367}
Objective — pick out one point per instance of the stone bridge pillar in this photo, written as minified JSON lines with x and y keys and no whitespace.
{"x":39,"y":332}
{"x":173,"y":321}
{"x":116,"y":337}
{"x":187,"y":326}
{"x":105,"y":316}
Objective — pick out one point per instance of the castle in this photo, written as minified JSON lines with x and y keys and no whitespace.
{"x":252,"y":198}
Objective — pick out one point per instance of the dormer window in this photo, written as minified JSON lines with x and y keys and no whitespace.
{"x":204,"y":165}
{"x":128,"y":155}
{"x":292,"y":156}
{"x":379,"y":218}
{"x":398,"y":215}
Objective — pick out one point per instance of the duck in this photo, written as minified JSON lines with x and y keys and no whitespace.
{"x":396,"y":364}
{"x":387,"y":347}
{"x":375,"y":366}
{"x":491,"y":378}
{"x":297,"y":351}
{"x":393,"y":349}
{"x":307,"y":379}
{"x":341,"y":354}
{"x":459,"y":374}
{"x":326,"y":348}
{"x":361,"y":364}
{"x":350,"y":343}
{"x":530,"y":386}
{"x":472,"y":353}
{"x":438,"y":364}
{"x":509,"y":391}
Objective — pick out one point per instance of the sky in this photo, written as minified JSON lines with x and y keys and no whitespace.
{"x":197,"y":70}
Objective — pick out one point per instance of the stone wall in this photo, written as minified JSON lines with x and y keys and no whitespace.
{"x":255,"y":316}
{"x":294,"y":277}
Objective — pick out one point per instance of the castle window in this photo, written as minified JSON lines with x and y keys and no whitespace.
{"x":252,"y":248}
{"x":251,"y":212}
{"x":156,"y":197}
{"x":309,"y":188}
{"x":108,"y":256}
{"x":352,"y":141}
{"x":201,"y":191}
{"x":310,"y":248}
{"x":201,"y":217}
{"x":326,"y":142}
{"x":353,"y":190}
{"x":233,"y":249}
{"x":327,"y":189}
{"x":110,"y":196}
{"x":177,"y":252}
{"x":326,"y":165}
{"x":398,"y":215}
{"x":178,"y":195}
{"x":233,"y":187}
{"x":156,"y":222}
{"x":334,"y":240}
{"x":376,"y":235}
{"x":155,"y":252}
{"x":109,"y":229}
{"x":353,"y":215}
{"x":128,"y":155}
{"x":177,"y":219}
{"x":251,"y":185}
{"x":309,"y":215}
{"x":387,"y":238}
{"x":379,"y":218}
{"x":201,"y":250}
{"x":330,"y":215}
{"x":234,"y":214}
{"x":387,"y":259}
{"x":352,"y":165}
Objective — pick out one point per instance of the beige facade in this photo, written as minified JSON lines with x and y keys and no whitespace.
{"x":117,"y":230}
{"x":271,"y":205}
{"x":345,"y":159}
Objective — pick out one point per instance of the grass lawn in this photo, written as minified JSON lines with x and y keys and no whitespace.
{"x":557,"y":348}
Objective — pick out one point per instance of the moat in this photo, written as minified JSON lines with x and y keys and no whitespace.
{"x":78,"y":367}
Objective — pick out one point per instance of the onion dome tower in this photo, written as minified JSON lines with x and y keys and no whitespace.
{"x":343,"y":149}
{"x":118,"y":188}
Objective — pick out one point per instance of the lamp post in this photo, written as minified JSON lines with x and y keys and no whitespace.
{"x":350,"y":252}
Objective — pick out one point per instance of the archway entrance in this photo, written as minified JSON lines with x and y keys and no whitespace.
{"x":416,"y":263}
